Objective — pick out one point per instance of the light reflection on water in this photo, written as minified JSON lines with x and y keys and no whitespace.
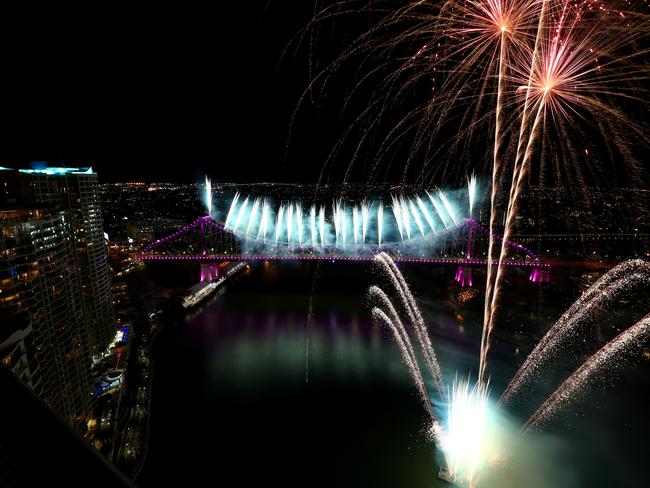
{"x":235,"y":373}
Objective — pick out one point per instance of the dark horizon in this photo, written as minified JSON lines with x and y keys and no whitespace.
{"x":160,"y":94}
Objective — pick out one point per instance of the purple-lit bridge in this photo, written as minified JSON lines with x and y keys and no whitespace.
{"x":207,"y":241}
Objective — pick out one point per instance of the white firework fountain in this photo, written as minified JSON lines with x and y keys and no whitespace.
{"x":468,"y":430}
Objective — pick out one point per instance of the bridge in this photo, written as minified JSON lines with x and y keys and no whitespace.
{"x":208,"y":241}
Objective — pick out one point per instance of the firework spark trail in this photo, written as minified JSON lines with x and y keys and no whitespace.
{"x":312,"y":220}
{"x":380,"y":222}
{"x":563,"y":331}
{"x":355,"y":225}
{"x":471,"y":193}
{"x":299,"y":222}
{"x":427,"y":214}
{"x":558,"y":75}
{"x":387,"y":314}
{"x":397,"y":211}
{"x":278,"y":224}
{"x":208,"y":194}
{"x":406,"y":217}
{"x":416,"y":217}
{"x":233,"y":206}
{"x":439,"y":210}
{"x":564,"y":73}
{"x":365,"y":218}
{"x":266,"y":215}
{"x":520,"y":164}
{"x":524,"y":118}
{"x":453,"y":46}
{"x":385,"y":261}
{"x":252,"y":215}
{"x":321,"y":225}
{"x":241,"y":213}
{"x":289,"y":215}
{"x":415,"y":316}
{"x":609,"y":287}
{"x":492,"y":299}
{"x":492,"y":284}
{"x":603,"y":360}
{"x":549,"y":76}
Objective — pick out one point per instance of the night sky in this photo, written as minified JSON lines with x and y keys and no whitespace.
{"x":163,"y":93}
{"x":173,"y":93}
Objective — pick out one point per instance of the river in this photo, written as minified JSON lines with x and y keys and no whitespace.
{"x":253,"y":389}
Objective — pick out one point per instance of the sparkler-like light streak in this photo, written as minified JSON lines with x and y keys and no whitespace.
{"x":416,"y":217}
{"x":264,"y":226}
{"x":289,"y":215}
{"x":563,"y":78}
{"x":439,"y":210}
{"x":397,"y":211}
{"x":336,"y":210}
{"x":321,"y":225}
{"x":448,"y":207}
{"x":387,"y":314}
{"x":609,"y":287}
{"x":493,"y":284}
{"x":253,"y":214}
{"x":344,"y":225}
{"x":254,"y":218}
{"x":365,"y":218}
{"x":415,"y":316}
{"x":606,"y":358}
{"x":299,"y":222}
{"x":380,"y":222}
{"x":233,"y":206}
{"x":525,"y":68}
{"x":240,"y":214}
{"x":466,"y":435}
{"x":426,"y":213}
{"x":464,"y":439}
{"x":497,"y":20}
{"x":278,"y":223}
{"x":471,"y":191}
{"x":312,"y":219}
{"x":406,"y":218}
{"x":208,"y":195}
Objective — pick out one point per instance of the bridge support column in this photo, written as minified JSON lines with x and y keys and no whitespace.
{"x":538,"y":275}
{"x":209,"y":271}
{"x":463,"y":276}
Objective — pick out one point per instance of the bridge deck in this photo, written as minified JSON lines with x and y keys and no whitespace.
{"x":333,"y":258}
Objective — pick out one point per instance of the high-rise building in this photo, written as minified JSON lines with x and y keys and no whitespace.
{"x":55,"y":290}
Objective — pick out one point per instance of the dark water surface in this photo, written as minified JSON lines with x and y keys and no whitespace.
{"x":240,"y":400}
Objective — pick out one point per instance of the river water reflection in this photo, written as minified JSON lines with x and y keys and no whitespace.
{"x":254,"y":390}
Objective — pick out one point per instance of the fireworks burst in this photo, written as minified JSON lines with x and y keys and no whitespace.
{"x":507,"y":85}
{"x":511,"y":84}
{"x":445,"y":78}
{"x":463,"y":440}
{"x":470,"y":433}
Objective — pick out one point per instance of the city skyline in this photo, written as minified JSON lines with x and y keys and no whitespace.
{"x":333,"y":243}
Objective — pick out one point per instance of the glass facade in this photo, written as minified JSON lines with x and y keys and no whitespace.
{"x":55,"y":287}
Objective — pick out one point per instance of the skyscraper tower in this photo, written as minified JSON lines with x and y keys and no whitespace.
{"x":54,"y":283}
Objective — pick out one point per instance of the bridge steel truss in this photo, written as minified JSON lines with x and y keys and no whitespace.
{"x":205,"y":240}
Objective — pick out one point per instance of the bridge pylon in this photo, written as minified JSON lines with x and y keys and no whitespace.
{"x":209,"y":271}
